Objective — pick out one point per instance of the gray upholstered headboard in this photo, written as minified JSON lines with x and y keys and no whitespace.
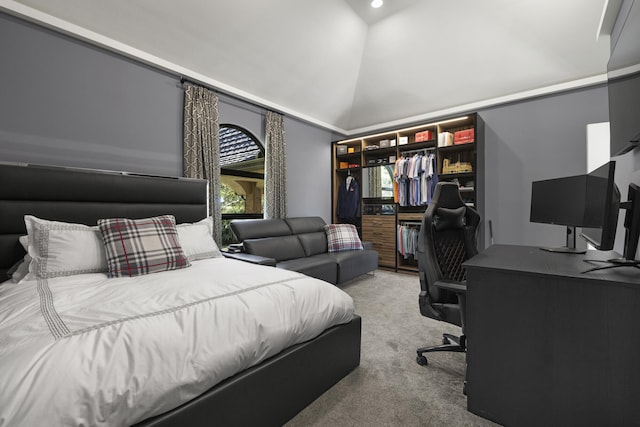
{"x":84,"y":196}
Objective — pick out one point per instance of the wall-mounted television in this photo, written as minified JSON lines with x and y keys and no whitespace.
{"x":623,"y":75}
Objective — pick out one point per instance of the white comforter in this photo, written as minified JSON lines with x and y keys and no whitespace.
{"x":87,"y":350}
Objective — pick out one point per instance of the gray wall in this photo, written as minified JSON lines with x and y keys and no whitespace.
{"x":236,"y":112}
{"x":308,"y":170}
{"x":527,"y":141}
{"x":67,"y":103}
{"x":308,"y":152}
{"x":64,"y":102}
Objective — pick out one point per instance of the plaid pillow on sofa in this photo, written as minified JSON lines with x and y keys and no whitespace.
{"x":142,"y":246}
{"x":342,"y":237}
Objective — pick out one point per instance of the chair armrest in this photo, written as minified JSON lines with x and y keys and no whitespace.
{"x":452,"y":285}
{"x":367,"y":245}
{"x":254,"y":259}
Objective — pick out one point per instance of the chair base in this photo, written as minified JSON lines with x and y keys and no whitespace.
{"x":449,"y":343}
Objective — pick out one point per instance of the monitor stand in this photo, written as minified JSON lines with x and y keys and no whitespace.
{"x":571,"y":244}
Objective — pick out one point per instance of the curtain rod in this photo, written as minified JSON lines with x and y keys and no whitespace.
{"x":184,"y":80}
{"x":230,"y":98}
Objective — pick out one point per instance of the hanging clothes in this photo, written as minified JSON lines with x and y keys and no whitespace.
{"x":415,"y":179}
{"x":348,"y":209}
{"x":408,"y":240}
{"x":429,"y":179}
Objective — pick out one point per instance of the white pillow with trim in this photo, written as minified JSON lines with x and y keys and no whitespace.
{"x":63,"y":249}
{"x":197,"y":241}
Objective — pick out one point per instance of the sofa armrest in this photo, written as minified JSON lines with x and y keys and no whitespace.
{"x":254,"y":259}
{"x":367,"y":245}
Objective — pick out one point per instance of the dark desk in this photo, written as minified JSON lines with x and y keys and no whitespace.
{"x":548,"y":345}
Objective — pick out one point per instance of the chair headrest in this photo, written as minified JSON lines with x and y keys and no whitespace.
{"x":447,"y":195}
{"x":447,"y":219}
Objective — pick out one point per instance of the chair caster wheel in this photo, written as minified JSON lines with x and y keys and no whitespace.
{"x":421,"y":360}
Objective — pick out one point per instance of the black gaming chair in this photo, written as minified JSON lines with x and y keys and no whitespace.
{"x":447,"y":239}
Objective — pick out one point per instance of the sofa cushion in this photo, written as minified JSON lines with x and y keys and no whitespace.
{"x":279,"y":248}
{"x":306,"y":224}
{"x":342,"y":237}
{"x":352,"y":264}
{"x":256,"y":228}
{"x":313,"y":243}
{"x":318,"y":266}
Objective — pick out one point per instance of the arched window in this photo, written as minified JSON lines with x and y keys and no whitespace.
{"x":241,"y":175}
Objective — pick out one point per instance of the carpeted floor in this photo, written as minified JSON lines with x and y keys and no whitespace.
{"x":389,"y":388}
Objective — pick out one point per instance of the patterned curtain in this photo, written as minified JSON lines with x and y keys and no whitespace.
{"x":375,"y":182}
{"x":201,"y":148}
{"x":275,"y":195}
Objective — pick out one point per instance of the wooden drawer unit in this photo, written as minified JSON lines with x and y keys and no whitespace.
{"x":380,"y":230}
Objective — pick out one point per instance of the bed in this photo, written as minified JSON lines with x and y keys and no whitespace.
{"x":81,"y":322}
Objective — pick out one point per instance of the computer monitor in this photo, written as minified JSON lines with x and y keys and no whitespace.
{"x":589,"y":201}
{"x":558,"y":201}
{"x":601,"y":207}
{"x":631,"y":226}
{"x":631,"y":235}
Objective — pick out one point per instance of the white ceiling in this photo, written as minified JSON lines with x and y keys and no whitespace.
{"x":344,"y":65}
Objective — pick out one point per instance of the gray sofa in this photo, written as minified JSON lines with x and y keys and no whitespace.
{"x":300,"y":244}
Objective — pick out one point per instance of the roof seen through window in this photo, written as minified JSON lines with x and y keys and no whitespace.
{"x":237,"y":146}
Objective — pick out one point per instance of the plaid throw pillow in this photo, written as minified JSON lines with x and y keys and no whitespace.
{"x":342,"y":237}
{"x":142,"y":246}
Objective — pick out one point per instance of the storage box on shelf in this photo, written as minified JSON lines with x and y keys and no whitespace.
{"x":445,"y":139}
{"x":378,"y":149}
{"x":425,"y":135}
{"x":463,"y":136}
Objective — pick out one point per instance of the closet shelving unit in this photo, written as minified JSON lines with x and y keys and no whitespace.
{"x":371,"y":158}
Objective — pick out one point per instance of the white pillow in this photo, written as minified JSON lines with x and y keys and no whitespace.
{"x":197,"y":241}
{"x":63,"y":249}
{"x":24,"y":241}
{"x":21,"y":270}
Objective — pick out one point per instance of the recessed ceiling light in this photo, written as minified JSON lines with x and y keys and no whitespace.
{"x":376,"y":3}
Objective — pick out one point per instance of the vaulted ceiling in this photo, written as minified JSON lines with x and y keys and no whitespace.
{"x":342,"y":64}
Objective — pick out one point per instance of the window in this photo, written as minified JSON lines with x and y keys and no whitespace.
{"x":241,"y":176}
{"x":386,"y":180}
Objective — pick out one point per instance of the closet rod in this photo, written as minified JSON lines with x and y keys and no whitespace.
{"x":410,"y":222}
{"x":424,"y":150}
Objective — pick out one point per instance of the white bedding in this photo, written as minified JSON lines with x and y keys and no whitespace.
{"x":87,"y":350}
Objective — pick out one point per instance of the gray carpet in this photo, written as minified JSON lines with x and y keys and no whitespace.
{"x":389,"y":388}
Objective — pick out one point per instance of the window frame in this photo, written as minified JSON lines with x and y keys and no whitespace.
{"x":244,"y":174}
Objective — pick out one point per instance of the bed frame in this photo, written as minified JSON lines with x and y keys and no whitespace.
{"x":267,"y":394}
